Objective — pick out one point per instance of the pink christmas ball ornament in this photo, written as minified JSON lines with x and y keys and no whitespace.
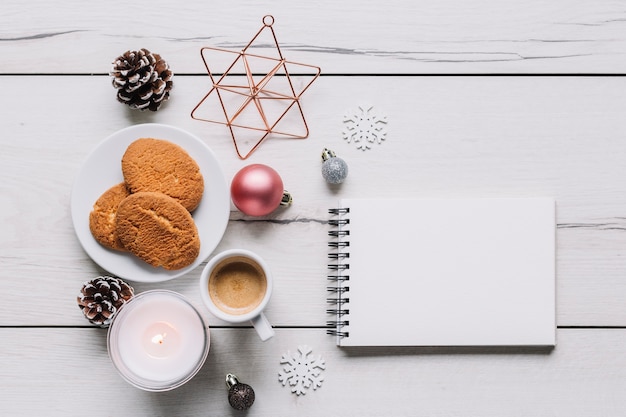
{"x":257,"y":190}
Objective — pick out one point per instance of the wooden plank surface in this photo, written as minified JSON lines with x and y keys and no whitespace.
{"x":450,"y":135}
{"x":460,"y":136}
{"x":399,"y":36}
{"x":63,"y":377}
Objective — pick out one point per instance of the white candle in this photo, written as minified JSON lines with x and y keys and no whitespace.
{"x":158,"y":340}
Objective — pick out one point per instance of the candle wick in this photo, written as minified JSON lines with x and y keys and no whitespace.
{"x":159,"y":338}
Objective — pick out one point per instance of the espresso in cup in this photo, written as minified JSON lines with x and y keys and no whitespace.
{"x":237,"y":285}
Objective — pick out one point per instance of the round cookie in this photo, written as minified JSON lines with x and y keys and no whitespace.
{"x":102,"y":218}
{"x":162,"y":166}
{"x":158,"y":229}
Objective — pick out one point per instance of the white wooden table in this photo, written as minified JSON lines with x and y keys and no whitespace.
{"x":483,"y":98}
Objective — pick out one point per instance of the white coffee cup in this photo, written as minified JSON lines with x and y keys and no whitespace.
{"x":236,"y":285}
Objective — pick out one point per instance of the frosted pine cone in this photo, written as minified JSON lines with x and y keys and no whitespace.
{"x":143,"y":79}
{"x":100,"y":298}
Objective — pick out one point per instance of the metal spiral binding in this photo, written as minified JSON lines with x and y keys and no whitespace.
{"x":337,"y":311}
{"x":337,"y":323}
{"x":335,"y":332}
{"x":338,"y":300}
{"x":338,"y":266}
{"x":338,"y":277}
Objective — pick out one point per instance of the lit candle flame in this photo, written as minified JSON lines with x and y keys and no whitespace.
{"x":159,"y":338}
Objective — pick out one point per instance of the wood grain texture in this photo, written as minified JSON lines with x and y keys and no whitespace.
{"x":399,"y":36}
{"x":62,"y":371}
{"x":448,"y":137}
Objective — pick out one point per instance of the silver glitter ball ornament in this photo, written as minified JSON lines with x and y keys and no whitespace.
{"x":334,"y":169}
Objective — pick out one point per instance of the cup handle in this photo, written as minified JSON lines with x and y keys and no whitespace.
{"x":262,"y":327}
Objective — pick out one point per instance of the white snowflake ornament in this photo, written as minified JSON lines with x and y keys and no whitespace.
{"x":364,"y":127}
{"x":301,"y":371}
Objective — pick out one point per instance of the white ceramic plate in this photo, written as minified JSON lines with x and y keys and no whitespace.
{"x":102,"y":170}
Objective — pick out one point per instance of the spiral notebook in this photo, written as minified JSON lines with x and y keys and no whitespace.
{"x":442,"y":272}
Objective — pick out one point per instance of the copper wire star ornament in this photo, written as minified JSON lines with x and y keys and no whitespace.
{"x":258,"y":105}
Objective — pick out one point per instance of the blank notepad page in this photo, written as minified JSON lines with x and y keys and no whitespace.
{"x":449,"y":272}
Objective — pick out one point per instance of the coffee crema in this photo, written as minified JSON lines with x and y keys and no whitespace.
{"x":237,"y":285}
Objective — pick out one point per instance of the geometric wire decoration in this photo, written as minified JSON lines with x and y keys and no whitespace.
{"x":256,"y":104}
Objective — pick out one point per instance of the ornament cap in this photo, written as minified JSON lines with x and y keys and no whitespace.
{"x":286,"y":200}
{"x":231,"y":380}
{"x":327,"y":154}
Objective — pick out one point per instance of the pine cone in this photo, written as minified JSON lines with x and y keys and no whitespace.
{"x":143,"y":79}
{"x":100,"y":298}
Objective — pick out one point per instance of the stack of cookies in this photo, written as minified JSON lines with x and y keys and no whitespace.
{"x":149,"y":214}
